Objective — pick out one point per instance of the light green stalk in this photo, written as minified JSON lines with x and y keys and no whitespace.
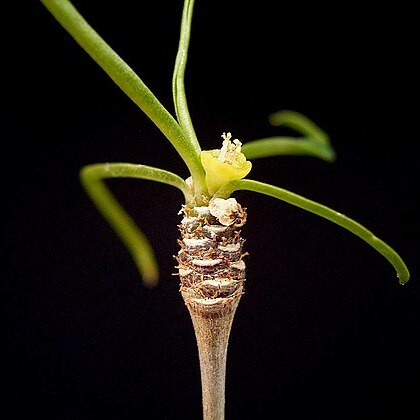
{"x":178,"y":85}
{"x":299,"y":123}
{"x":276,"y":146}
{"x":325,"y":212}
{"x":314,"y":141}
{"x":92,"y":178}
{"x":128,"y":81}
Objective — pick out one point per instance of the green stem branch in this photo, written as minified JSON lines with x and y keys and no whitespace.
{"x":325,"y":212}
{"x":92,"y":178}
{"x":128,"y":81}
{"x":178,"y":85}
{"x":276,"y":146}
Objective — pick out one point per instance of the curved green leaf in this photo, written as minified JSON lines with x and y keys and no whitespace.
{"x":299,"y":123}
{"x":92,"y":178}
{"x":275,"y":146}
{"x":325,"y":212}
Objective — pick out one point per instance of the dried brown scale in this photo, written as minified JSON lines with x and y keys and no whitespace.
{"x":210,"y":251}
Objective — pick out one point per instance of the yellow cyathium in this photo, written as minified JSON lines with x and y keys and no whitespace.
{"x":224,"y":165}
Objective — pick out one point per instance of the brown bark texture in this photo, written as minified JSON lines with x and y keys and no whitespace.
{"x":212,"y":275}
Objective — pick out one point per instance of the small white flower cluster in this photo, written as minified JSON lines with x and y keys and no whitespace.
{"x":230,"y":149}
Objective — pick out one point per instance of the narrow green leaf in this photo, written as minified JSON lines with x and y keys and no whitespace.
{"x":325,"y":212}
{"x":299,"y":123}
{"x":92,"y":178}
{"x":178,"y":86}
{"x":275,"y":146}
{"x":128,"y":81}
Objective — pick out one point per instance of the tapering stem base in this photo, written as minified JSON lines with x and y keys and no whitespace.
{"x":212,"y":324}
{"x":212,"y":275}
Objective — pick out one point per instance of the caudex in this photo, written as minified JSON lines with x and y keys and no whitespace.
{"x":210,"y":260}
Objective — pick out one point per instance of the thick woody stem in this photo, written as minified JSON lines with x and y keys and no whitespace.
{"x":212,"y":274}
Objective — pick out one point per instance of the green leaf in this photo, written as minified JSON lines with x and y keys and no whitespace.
{"x":178,"y":86}
{"x":276,"y":146}
{"x":299,"y":123}
{"x":92,"y":178}
{"x":128,"y":81}
{"x":315,"y":142}
{"x":325,"y":212}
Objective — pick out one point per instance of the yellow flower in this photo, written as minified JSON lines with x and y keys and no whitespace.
{"x":225,"y":164}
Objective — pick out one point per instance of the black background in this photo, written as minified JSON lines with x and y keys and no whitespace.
{"x":324,"y":329}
